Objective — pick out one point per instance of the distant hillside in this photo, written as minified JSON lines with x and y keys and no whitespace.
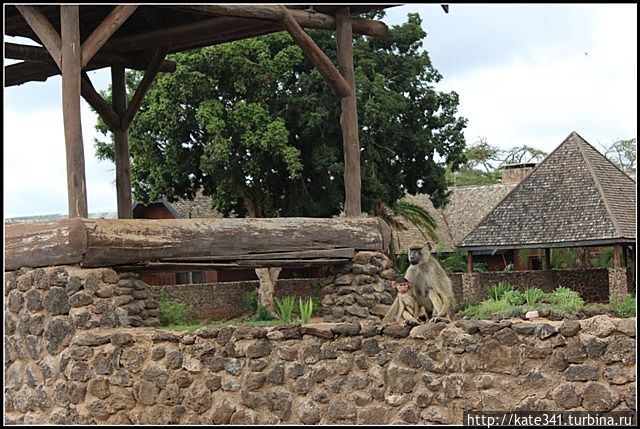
{"x":58,"y":216}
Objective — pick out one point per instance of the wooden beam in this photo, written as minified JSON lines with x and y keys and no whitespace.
{"x":44,"y":30}
{"x":171,"y":35}
{"x":123,"y":166}
{"x":617,"y":256}
{"x":244,"y":264}
{"x":319,"y":59}
{"x":104,"y":30}
{"x":70,"y":66}
{"x":306,"y":19}
{"x":96,"y":101}
{"x":349,"y":117}
{"x":40,"y":65}
{"x":547,"y":258}
{"x":143,"y":87}
{"x":469,"y":262}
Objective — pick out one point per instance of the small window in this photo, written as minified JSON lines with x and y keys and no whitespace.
{"x":183,"y":278}
{"x":197,"y":277}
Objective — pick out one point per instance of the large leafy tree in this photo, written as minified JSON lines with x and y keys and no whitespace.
{"x":254,"y":124}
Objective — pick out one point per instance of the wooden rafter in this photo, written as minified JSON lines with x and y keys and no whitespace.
{"x":144,"y":86}
{"x":44,"y":30}
{"x":104,"y":30}
{"x":305,"y":19}
{"x":95,"y":100}
{"x":319,"y":59}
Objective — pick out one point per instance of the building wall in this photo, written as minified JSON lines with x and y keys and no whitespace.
{"x":228,"y":300}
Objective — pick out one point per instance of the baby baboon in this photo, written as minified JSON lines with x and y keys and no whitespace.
{"x":404,"y":307}
{"x":432,"y":286}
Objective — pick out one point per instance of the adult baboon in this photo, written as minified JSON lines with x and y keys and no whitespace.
{"x":432,"y":286}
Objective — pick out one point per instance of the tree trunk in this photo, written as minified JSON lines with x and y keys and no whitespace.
{"x":268,"y":278}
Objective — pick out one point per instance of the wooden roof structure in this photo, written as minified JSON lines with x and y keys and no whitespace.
{"x":74,"y":39}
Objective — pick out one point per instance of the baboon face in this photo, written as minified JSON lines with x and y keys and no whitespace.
{"x":414,"y":256}
{"x":416,"y":253}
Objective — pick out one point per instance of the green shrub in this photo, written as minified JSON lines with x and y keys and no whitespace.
{"x":625,"y":307}
{"x":284,"y":308}
{"x":565,"y":300}
{"x":496,"y":291}
{"x":514,"y":297}
{"x":533,"y":295}
{"x":263,"y":313}
{"x":173,"y":312}
{"x":251,"y":302}
{"x":489,"y":308}
{"x":306,"y":309}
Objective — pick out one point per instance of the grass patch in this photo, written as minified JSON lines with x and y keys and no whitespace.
{"x":173,"y":312}
{"x":182,"y":327}
{"x":488,"y":309}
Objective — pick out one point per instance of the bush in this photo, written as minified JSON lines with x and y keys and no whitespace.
{"x":565,"y":300}
{"x":514,"y":297}
{"x":251,"y":302}
{"x":533,"y":295}
{"x":496,"y":291}
{"x":173,"y":312}
{"x":489,"y":308}
{"x":625,"y":307}
{"x":263,"y":313}
{"x":284,"y":308}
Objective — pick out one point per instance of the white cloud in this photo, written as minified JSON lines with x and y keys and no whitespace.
{"x":35,"y":180}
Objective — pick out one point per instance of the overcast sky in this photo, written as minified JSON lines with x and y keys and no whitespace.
{"x":525,"y":74}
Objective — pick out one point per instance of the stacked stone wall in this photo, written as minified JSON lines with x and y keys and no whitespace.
{"x":330,"y":373}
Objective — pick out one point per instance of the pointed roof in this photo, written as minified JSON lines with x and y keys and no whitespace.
{"x":575,"y":197}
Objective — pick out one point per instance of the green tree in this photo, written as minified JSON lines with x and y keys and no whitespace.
{"x":255,"y":125}
{"x":479,"y":168}
{"x":623,"y":153}
{"x":523,"y":154}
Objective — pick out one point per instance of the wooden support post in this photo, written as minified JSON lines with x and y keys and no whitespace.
{"x":123,"y":167}
{"x":547,"y":259}
{"x":349,"y":117}
{"x":70,"y":66}
{"x":617,"y":256}
{"x":104,"y":30}
{"x":469,"y":262}
{"x":327,"y":69}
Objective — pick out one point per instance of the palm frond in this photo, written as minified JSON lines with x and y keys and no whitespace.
{"x":418,"y":216}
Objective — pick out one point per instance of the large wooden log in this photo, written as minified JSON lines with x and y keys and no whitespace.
{"x":41,"y":244}
{"x":129,"y":241}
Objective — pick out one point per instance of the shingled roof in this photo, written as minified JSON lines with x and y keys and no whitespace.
{"x":575,"y":197}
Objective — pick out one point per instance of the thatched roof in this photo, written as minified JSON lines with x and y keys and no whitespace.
{"x":467,"y":206}
{"x":575,"y":197}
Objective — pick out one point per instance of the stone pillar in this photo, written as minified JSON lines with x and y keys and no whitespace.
{"x":618,"y":283}
{"x":471,"y":289}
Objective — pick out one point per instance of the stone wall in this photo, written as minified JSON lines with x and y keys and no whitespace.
{"x":591,"y":284}
{"x":227,"y":300}
{"x":346,"y":373}
{"x":360,"y":290}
